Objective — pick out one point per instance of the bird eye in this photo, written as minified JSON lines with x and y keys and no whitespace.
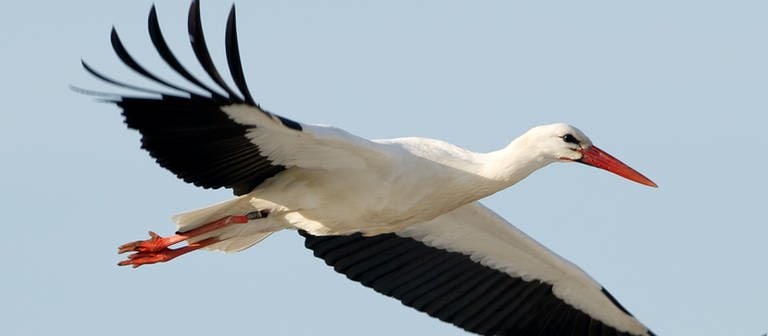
{"x":569,"y":138}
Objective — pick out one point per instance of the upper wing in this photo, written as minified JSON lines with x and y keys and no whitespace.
{"x":225,"y":139}
{"x":473,"y":269}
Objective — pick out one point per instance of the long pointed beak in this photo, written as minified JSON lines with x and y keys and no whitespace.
{"x":596,"y":157}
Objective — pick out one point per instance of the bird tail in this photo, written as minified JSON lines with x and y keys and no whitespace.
{"x":235,"y":237}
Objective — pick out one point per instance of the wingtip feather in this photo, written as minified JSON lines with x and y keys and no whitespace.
{"x":197,"y":40}
{"x":234,"y":60}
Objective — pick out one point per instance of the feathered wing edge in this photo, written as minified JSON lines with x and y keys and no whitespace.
{"x":436,"y":274}
{"x":187,"y":132}
{"x":199,"y":46}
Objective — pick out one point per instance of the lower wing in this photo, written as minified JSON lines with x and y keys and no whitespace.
{"x":471,"y":268}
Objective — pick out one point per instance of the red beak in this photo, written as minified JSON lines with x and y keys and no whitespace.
{"x":596,"y":157}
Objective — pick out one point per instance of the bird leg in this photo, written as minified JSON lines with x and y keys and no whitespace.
{"x":157,"y":249}
{"x":166,"y":254}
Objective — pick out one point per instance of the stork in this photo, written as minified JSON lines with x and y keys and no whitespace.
{"x":400,"y":216}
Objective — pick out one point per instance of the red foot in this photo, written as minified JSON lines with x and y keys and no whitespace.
{"x":156,"y":248}
{"x":154,"y":244}
{"x":151,"y":257}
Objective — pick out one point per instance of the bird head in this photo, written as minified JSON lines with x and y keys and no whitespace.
{"x":565,"y":143}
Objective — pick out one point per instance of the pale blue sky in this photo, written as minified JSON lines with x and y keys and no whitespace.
{"x":677,"y":89}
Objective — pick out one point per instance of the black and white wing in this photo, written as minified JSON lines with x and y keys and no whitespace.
{"x":223,"y":138}
{"x":473,"y":269}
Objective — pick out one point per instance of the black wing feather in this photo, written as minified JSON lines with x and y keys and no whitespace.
{"x":124,"y":56}
{"x":197,"y":40}
{"x":196,"y":141}
{"x":453,"y":288}
{"x":114,"y":82}
{"x":233,"y":57}
{"x":188,"y":133}
{"x":156,"y":35}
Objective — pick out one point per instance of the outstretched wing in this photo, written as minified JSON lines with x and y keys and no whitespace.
{"x":222,"y":138}
{"x":473,"y":269}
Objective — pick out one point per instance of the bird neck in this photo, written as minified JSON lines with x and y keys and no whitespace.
{"x":514,"y":162}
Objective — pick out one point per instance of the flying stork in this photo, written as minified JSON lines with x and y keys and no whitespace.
{"x":400,"y":216}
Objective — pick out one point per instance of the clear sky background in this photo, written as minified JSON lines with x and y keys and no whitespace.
{"x":677,"y":89}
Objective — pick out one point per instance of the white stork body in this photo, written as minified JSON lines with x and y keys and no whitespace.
{"x":338,"y":183}
{"x":400,"y":216}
